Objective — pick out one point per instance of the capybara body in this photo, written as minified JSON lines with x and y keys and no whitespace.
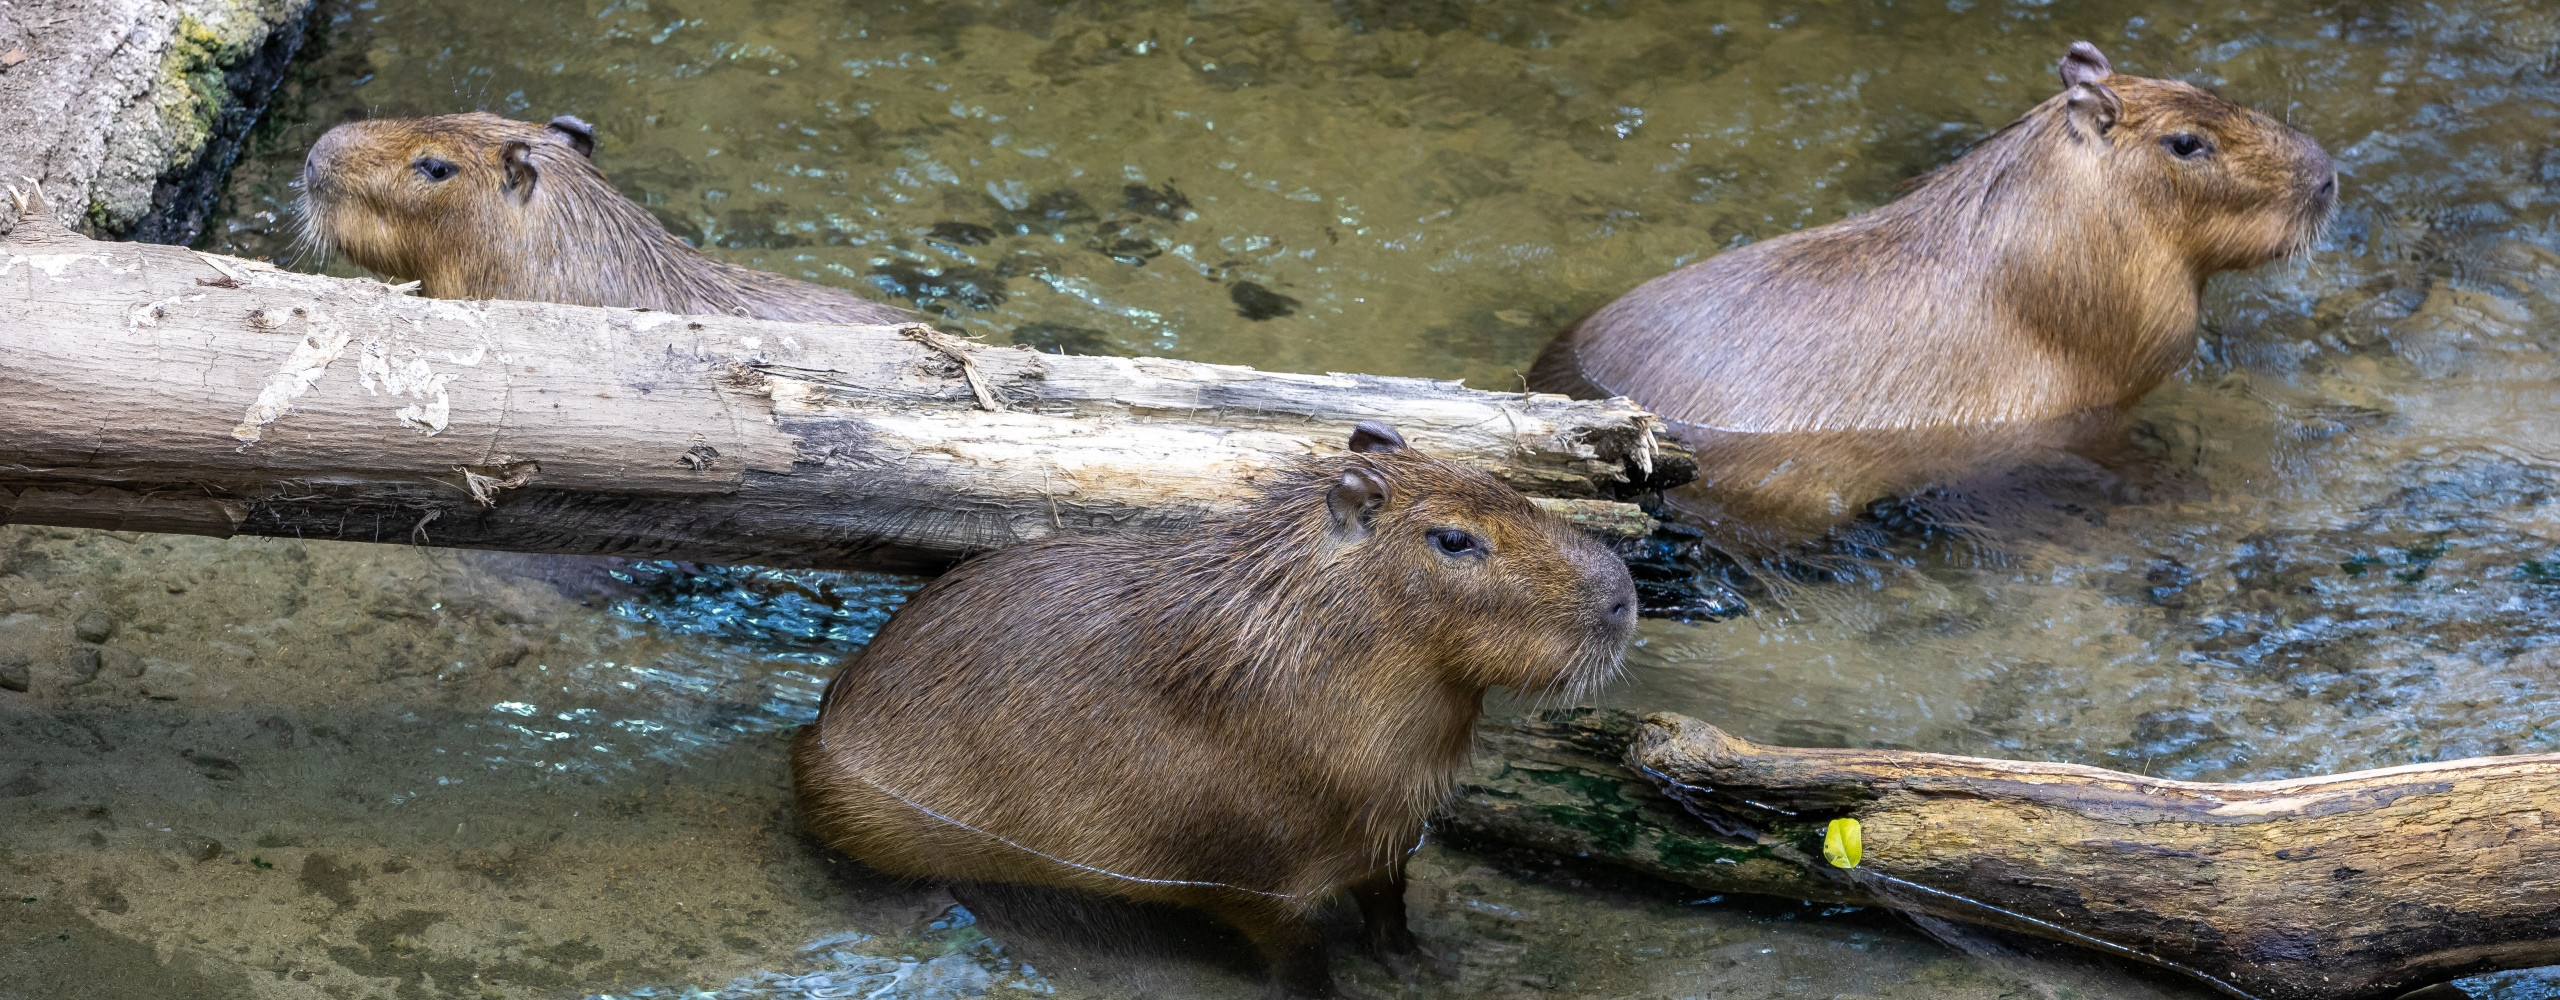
{"x":2011,"y":302}
{"x":1247,"y":718}
{"x":475,"y":206}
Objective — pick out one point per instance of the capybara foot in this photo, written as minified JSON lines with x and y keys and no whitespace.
{"x":1418,"y":966}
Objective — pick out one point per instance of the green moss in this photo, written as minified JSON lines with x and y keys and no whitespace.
{"x":1630,"y":829}
{"x":192,"y":92}
{"x":1687,"y":854}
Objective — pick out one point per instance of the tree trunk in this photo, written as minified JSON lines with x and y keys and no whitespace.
{"x":2341,"y":887}
{"x":157,"y":388}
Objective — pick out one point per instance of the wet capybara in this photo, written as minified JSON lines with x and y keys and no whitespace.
{"x":2012,"y":301}
{"x":475,"y":206}
{"x":1246,"y":718}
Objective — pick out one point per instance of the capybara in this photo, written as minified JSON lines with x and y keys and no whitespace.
{"x":1245,"y":718}
{"x":475,"y":206}
{"x":2015,"y":300}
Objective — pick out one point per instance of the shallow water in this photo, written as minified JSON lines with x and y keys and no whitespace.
{"x":457,"y":774}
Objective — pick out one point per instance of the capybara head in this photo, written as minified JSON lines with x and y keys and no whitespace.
{"x":1466,"y":572}
{"x":448,"y":200}
{"x":2232,"y":187}
{"x":474,"y":206}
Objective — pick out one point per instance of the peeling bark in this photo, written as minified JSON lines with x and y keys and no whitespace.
{"x":157,"y":388}
{"x":2341,"y":887}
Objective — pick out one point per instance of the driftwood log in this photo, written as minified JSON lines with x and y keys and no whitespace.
{"x":2341,"y":887}
{"x":157,"y":388}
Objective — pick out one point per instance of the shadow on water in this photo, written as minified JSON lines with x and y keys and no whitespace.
{"x":306,"y":770}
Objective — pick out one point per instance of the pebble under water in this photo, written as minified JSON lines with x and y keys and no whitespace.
{"x":268,"y":768}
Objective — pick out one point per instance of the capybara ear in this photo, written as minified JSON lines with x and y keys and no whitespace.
{"x":520,"y":173}
{"x":1352,"y":499}
{"x":2084,"y":64}
{"x":581,"y":136}
{"x":2093,"y":109}
{"x":1370,"y":435}
{"x":2091,"y":105}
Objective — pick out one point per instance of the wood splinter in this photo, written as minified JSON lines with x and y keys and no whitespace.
{"x":958,"y":351}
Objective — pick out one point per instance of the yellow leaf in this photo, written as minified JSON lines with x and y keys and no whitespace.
{"x":1840,"y":844}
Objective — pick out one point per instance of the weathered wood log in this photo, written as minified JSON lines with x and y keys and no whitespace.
{"x":2341,"y":887}
{"x":161,"y":389}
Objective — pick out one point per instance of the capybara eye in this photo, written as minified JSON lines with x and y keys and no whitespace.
{"x":434,"y":169}
{"x":2187,"y":145}
{"x":1453,"y":542}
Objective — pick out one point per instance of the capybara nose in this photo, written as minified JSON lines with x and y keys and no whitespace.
{"x":2316,"y":163}
{"x":1620,"y":607}
{"x":327,"y":148}
{"x":1611,"y":592}
{"x":1618,"y":597}
{"x":323,"y":153}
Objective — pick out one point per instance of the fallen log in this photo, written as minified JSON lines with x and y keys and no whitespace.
{"x":157,"y":388}
{"x":2343,"y":887}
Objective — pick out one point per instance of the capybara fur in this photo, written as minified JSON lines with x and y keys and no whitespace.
{"x":475,"y":206}
{"x":1246,"y":718}
{"x":2013,"y":301}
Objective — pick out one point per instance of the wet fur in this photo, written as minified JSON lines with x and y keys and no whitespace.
{"x":566,"y":236}
{"x":2013,"y":302}
{"x":1260,"y":703}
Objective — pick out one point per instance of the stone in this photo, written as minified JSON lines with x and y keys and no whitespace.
{"x":82,"y":666}
{"x":121,"y":662}
{"x":13,"y":671}
{"x":93,"y":626}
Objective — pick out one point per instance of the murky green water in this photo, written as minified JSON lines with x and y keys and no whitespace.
{"x":312,"y":770}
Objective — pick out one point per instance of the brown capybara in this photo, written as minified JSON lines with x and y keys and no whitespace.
{"x":2014,"y":300}
{"x":475,"y":206}
{"x":1246,"y":718}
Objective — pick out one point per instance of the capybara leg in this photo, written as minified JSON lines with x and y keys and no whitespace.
{"x":1290,"y":946}
{"x":1298,"y":966}
{"x":1381,"y":899}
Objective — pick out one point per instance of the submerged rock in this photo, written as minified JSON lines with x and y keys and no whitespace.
{"x":93,"y":626}
{"x":82,"y":666}
{"x":120,"y":662}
